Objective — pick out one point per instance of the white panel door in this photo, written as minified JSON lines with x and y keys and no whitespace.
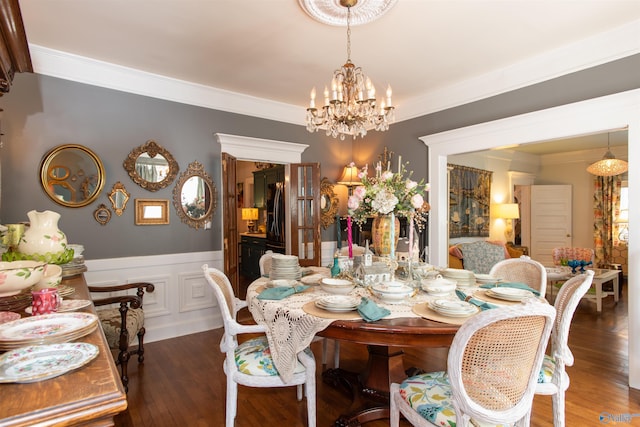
{"x":550,"y":220}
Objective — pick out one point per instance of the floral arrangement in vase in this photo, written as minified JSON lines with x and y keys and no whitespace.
{"x":387,"y":193}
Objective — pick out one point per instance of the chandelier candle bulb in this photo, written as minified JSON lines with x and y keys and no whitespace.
{"x":312,"y":103}
{"x":389,"y":95}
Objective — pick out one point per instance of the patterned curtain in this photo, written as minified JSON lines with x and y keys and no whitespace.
{"x":469,"y":201}
{"x":606,"y":203}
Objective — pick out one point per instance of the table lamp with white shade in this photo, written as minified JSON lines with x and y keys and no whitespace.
{"x":251,"y":216}
{"x":508,"y":212}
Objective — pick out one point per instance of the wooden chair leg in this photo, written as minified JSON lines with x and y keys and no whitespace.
{"x":140,"y":350}
{"x":123,"y":361}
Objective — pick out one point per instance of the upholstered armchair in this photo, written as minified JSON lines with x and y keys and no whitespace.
{"x":123,"y":310}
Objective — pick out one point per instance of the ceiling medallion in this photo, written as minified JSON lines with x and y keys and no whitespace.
{"x":350,"y":107}
{"x":332,"y":12}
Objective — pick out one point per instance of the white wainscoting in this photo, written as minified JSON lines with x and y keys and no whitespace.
{"x":182,"y":302}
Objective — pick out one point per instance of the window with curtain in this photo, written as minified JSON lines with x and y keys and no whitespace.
{"x":606,"y":208}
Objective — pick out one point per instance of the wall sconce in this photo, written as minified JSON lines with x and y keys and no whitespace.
{"x":250,"y":215}
{"x":623,"y":221}
{"x":508,"y":212}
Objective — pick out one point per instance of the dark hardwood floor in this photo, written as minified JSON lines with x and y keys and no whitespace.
{"x":181,"y":382}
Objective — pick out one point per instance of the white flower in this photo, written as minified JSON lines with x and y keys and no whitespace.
{"x":384,"y":202}
{"x":410,"y":184}
{"x":386,"y":175}
{"x":353,"y":202}
{"x":417,"y":201}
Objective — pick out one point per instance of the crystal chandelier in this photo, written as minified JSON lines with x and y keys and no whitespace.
{"x":609,"y":165}
{"x":350,"y":107}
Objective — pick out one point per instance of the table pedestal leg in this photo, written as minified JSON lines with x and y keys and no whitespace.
{"x":369,"y":390}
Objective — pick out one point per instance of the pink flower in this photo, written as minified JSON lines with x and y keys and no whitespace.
{"x":409,"y":185}
{"x":387,"y":175}
{"x":427,"y":187}
{"x":417,"y":201}
{"x":360,"y":192}
{"x":353,"y":202}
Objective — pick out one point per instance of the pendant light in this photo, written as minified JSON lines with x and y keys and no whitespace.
{"x":609,"y":165}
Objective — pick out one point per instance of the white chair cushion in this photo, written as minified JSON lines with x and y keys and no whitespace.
{"x":253,"y":357}
{"x":430,"y":396}
{"x":546,"y":372}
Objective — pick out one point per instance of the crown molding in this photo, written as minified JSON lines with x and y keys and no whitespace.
{"x":602,"y":48}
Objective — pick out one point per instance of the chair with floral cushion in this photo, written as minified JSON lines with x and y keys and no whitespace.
{"x":522,"y":270}
{"x":250,"y":363}
{"x":553,"y":376}
{"x":129,"y":312}
{"x":480,"y":256}
{"x":492,"y":369}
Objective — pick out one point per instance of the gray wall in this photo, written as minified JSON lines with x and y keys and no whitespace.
{"x":42,"y":112}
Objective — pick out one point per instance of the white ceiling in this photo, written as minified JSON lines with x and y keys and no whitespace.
{"x":430,"y":51}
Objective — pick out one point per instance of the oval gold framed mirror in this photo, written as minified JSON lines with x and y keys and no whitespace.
{"x":195,"y":196}
{"x":72,"y":175}
{"x":328,"y":203}
{"x":151,"y":166}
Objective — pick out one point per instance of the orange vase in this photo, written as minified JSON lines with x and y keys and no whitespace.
{"x":381,"y":234}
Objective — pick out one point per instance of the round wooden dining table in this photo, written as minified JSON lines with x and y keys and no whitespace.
{"x":384,"y":339}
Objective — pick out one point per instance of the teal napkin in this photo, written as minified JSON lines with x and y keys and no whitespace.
{"x":482,"y":304}
{"x":511,"y":285}
{"x":370,"y":311}
{"x":280,"y":292}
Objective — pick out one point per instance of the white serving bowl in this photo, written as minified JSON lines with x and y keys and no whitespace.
{"x":15,"y":276}
{"x":337,"y":286}
{"x":438,"y":285}
{"x":51,"y":278}
{"x":392,"y":292}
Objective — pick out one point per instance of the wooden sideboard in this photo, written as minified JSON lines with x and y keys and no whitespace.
{"x":89,"y":396}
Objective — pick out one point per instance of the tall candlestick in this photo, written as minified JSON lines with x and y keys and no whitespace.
{"x":339,"y":226}
{"x":411,"y":238}
{"x":349,"y":237}
{"x":399,"y":164}
{"x":392,"y":235}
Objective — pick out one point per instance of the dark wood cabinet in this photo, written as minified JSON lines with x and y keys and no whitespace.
{"x":251,"y":249}
{"x":263,"y":182}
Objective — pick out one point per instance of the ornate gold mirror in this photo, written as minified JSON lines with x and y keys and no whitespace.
{"x":328,"y":203}
{"x":102,"y":214}
{"x":195,"y":196}
{"x":151,"y":166}
{"x":72,"y":175}
{"x":119,"y":198}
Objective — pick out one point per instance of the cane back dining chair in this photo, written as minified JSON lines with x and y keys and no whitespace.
{"x":250,"y":363}
{"x":492,"y":369}
{"x":522,"y":270}
{"x":129,"y":312}
{"x":265,"y":268}
{"x":553,"y":378}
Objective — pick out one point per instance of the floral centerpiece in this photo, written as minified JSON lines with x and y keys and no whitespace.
{"x":389,"y":193}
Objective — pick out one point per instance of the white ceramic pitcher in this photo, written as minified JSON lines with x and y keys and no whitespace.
{"x":43,"y":235}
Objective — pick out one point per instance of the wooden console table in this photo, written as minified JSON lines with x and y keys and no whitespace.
{"x":89,"y":396}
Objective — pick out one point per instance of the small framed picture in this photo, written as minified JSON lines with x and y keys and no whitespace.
{"x":152,"y":211}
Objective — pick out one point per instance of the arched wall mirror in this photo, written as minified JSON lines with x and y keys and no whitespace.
{"x":72,"y":175}
{"x":151,"y":166}
{"x":195,"y":196}
{"x":328,"y":203}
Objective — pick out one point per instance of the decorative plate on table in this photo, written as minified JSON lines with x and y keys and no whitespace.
{"x":46,"y":329}
{"x":37,"y":363}
{"x":338,"y":303}
{"x":509,"y":294}
{"x":68,"y":305}
{"x":8,"y":316}
{"x":453,"y":308}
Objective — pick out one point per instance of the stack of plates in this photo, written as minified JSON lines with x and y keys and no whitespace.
{"x":285,"y":267}
{"x":453,"y":308}
{"x":46,"y":329}
{"x":464,"y":278}
{"x":486,"y":278}
{"x":338,"y":303}
{"x":509,"y":294}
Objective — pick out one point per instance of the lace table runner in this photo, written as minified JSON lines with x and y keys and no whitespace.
{"x":290,"y":329}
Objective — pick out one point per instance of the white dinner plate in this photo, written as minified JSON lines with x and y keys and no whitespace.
{"x":338,"y":302}
{"x":37,"y":363}
{"x":45,"y":326}
{"x":509,"y":294}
